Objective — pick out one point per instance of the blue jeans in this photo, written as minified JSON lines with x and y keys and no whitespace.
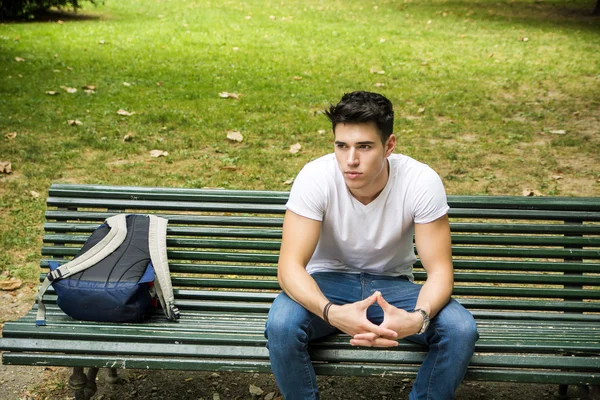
{"x":451,"y":335}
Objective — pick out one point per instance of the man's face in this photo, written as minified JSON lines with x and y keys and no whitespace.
{"x":362,"y":158}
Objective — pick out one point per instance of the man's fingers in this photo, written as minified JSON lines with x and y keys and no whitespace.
{"x":382,"y":302}
{"x":370,"y":300}
{"x":378,"y":330}
{"x":378,"y":342}
{"x":370,"y":336}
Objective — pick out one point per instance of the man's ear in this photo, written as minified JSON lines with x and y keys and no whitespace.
{"x":390,"y":145}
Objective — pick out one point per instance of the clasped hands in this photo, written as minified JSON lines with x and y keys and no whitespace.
{"x":352,"y":319}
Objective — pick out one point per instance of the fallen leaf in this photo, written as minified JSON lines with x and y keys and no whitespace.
{"x":524,"y":39}
{"x":248,"y":16}
{"x":69,"y":69}
{"x":377,"y":84}
{"x":270,"y":396}
{"x":557,"y":177}
{"x":88,"y":91}
{"x":377,"y":71}
{"x":227,"y":95}
{"x":421,"y":110}
{"x":51,"y":92}
{"x":126,"y":84}
{"x":236,"y":48}
{"x":34,"y":194}
{"x":89,"y":87}
{"x":295,"y":148}
{"x":530,"y":193}
{"x":129,"y":137}
{"x":289,"y":181}
{"x":321,"y":131}
{"x":159,"y":83}
{"x":74,"y":122}
{"x":19,"y":59}
{"x":68,"y":89}
{"x":125,"y":113}
{"x":5,"y":167}
{"x":10,"y":284}
{"x":558,"y":132}
{"x":11,"y":135}
{"x":229,"y":167}
{"x":60,"y":22}
{"x":382,"y":40}
{"x":235,"y":136}
{"x":102,"y":42}
{"x":297,"y":78}
{"x":255,"y":390}
{"x":189,"y":379}
{"x":56,"y":71}
{"x":158,"y":153}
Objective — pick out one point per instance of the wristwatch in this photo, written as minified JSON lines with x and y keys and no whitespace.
{"x":425,"y":320}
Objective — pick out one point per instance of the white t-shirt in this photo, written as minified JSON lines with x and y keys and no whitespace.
{"x":378,"y":237}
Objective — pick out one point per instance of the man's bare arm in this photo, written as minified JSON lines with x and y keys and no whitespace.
{"x":435,"y":251}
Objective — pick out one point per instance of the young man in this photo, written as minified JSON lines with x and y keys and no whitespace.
{"x":347,"y":255}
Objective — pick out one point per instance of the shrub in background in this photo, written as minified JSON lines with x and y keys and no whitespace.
{"x":15,"y":9}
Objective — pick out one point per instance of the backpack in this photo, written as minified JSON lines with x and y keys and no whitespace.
{"x":117,"y":274}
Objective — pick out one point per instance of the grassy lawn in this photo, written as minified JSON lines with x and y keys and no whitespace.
{"x":498,"y":97}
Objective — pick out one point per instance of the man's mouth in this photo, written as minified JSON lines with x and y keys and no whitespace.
{"x":352,"y":174}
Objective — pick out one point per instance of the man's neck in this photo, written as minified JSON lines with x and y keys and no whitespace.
{"x":367,"y":197}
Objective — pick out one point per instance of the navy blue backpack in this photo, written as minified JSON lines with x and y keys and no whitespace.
{"x":118,"y":274}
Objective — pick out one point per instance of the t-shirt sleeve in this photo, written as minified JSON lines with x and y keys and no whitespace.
{"x":308,"y":196}
{"x":430,"y":202}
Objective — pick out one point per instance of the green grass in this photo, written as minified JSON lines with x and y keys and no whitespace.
{"x":473,"y":98}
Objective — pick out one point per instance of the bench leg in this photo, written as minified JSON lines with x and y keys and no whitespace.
{"x":77,"y":383}
{"x":90,"y":386}
{"x":562,"y":392}
{"x":595,"y":392}
{"x":113,"y":377}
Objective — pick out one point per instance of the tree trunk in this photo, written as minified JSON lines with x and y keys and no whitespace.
{"x":597,"y":8}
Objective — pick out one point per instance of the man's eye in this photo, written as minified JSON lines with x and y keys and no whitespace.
{"x":364,"y":147}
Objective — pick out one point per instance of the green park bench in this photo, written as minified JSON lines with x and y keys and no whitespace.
{"x":528,"y":268}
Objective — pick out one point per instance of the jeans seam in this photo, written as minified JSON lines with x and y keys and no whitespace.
{"x":307,"y":361}
{"x":432,"y":374}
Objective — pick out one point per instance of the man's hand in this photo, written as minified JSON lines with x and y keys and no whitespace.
{"x":352,"y":319}
{"x":395,"y":319}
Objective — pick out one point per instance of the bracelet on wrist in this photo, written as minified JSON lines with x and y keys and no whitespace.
{"x":326,"y":312}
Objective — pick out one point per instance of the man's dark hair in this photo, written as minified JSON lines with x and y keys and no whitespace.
{"x":360,"y":107}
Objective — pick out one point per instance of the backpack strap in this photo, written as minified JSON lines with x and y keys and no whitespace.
{"x":157,"y":244}
{"x":111,"y":242}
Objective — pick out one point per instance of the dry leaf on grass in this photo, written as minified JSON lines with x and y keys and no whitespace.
{"x":255,"y":390}
{"x":289,"y":181}
{"x":229,"y":168}
{"x":74,"y":122}
{"x":557,"y":177}
{"x":158,"y":153}
{"x":377,"y":84}
{"x":69,"y":89}
{"x":102,"y":42}
{"x":5,"y":167}
{"x":11,"y":135}
{"x":377,"y":71}
{"x":34,"y":194}
{"x":19,"y":59}
{"x":421,"y":110}
{"x":51,"y":92}
{"x":530,"y":193}
{"x":295,"y":148}
{"x":89,"y":87}
{"x":10,"y":285}
{"x":297,"y":78}
{"x":126,"y":84}
{"x":129,"y":137}
{"x":558,"y":131}
{"x":321,"y":131}
{"x":227,"y":95}
{"x":235,"y":136}
{"x":125,"y":113}
{"x":88,"y":91}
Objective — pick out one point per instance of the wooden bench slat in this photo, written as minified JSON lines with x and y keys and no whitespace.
{"x":113,"y":204}
{"x":537,"y":228}
{"x":174,"y":219}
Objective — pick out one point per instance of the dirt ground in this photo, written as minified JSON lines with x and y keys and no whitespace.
{"x":39,"y":383}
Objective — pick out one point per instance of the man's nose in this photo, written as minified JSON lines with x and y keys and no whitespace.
{"x":352,"y":157}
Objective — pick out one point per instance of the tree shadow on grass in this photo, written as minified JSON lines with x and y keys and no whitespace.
{"x":54,"y":16}
{"x":525,"y":13}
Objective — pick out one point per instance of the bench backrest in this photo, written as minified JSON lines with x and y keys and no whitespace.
{"x":514,"y":255}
